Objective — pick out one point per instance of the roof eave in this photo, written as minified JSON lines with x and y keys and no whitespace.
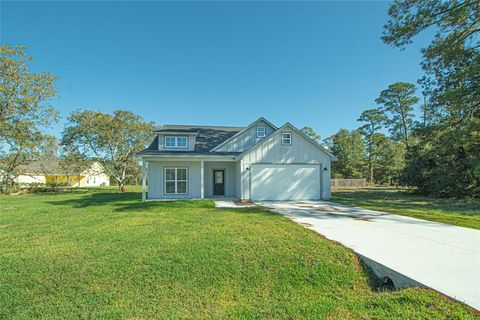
{"x":198,"y":155}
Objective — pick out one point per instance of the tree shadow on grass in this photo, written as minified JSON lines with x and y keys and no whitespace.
{"x":385,"y":199}
{"x":131,"y":202}
{"x":138,"y":205}
{"x":96,"y":199}
{"x":249,"y":210}
{"x":126,"y":201}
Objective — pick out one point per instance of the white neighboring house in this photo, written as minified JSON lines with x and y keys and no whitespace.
{"x":89,"y":174}
{"x":257,"y":162}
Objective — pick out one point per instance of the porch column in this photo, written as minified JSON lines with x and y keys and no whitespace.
{"x":144,"y":181}
{"x":202,"y":178}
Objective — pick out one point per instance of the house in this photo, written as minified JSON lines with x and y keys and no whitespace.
{"x":257,"y":162}
{"x":86,"y":174}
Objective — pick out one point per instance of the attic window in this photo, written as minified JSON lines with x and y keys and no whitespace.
{"x":261,"y":131}
{"x":286,"y":138}
{"x":172,"y":142}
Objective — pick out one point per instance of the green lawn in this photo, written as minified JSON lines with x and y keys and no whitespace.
{"x":464,"y":213}
{"x":93,"y":254}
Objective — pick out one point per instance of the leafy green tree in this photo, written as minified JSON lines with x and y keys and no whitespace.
{"x":349,"y":148}
{"x":445,"y":161}
{"x":398,"y":101}
{"x":24,"y":111}
{"x":388,"y":157}
{"x":374,"y":120}
{"x":19,"y":151}
{"x":309,"y":132}
{"x":452,"y":60}
{"x":113,"y":140}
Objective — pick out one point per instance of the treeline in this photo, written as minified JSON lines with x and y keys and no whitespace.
{"x":439,"y":152}
{"x":110,"y":139}
{"x":367,"y":152}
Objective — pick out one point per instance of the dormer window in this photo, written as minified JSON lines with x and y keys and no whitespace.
{"x":261,"y":131}
{"x":173,"y":142}
{"x":286,"y":138}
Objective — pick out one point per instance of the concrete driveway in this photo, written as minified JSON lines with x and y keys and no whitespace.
{"x":443,"y":257}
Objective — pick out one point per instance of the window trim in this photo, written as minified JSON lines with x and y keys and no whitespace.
{"x":264,"y":131}
{"x":175,"y":181}
{"x":176,"y":145}
{"x":289,"y":139}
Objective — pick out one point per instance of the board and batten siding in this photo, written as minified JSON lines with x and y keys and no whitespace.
{"x":301,"y":151}
{"x":156,"y":171}
{"x":246,"y":139}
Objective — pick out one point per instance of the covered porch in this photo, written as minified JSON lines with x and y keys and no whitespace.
{"x":187,"y":178}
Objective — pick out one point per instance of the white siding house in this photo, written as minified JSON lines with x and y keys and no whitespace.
{"x":258,"y":162}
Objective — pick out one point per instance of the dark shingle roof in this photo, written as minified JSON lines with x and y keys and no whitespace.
{"x":153,"y":145}
{"x":194,"y":127}
{"x":176,"y":130}
{"x":207,"y":138}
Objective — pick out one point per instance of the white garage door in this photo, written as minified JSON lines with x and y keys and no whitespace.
{"x":285,"y":182}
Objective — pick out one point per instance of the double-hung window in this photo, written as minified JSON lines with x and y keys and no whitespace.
{"x":286,"y":138}
{"x":172,"y":142}
{"x":176,"y":180}
{"x":261,"y":131}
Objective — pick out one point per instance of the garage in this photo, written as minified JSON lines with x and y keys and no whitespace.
{"x":285,"y":182}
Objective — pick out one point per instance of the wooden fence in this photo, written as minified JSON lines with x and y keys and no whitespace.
{"x":349,"y":183}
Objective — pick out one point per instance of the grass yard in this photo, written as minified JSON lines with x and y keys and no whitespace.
{"x":94,"y":254}
{"x":463,"y":213}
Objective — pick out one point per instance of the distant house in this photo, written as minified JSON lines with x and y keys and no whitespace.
{"x":257,"y":162}
{"x":87,"y":174}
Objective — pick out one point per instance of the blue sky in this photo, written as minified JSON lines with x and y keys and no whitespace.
{"x":214,"y":63}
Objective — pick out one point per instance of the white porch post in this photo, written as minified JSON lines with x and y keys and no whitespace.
{"x":202,"y":178}
{"x":144,"y":181}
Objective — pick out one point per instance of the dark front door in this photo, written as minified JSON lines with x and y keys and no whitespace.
{"x":219,"y":182}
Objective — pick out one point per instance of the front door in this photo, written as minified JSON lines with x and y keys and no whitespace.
{"x":218,"y":182}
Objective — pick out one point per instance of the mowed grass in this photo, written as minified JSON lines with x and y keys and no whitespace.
{"x":97,"y":254}
{"x":463,"y":213}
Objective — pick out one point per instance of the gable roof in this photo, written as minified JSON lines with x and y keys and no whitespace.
{"x":288,"y":124}
{"x":208,"y":139}
{"x":243,"y":130}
